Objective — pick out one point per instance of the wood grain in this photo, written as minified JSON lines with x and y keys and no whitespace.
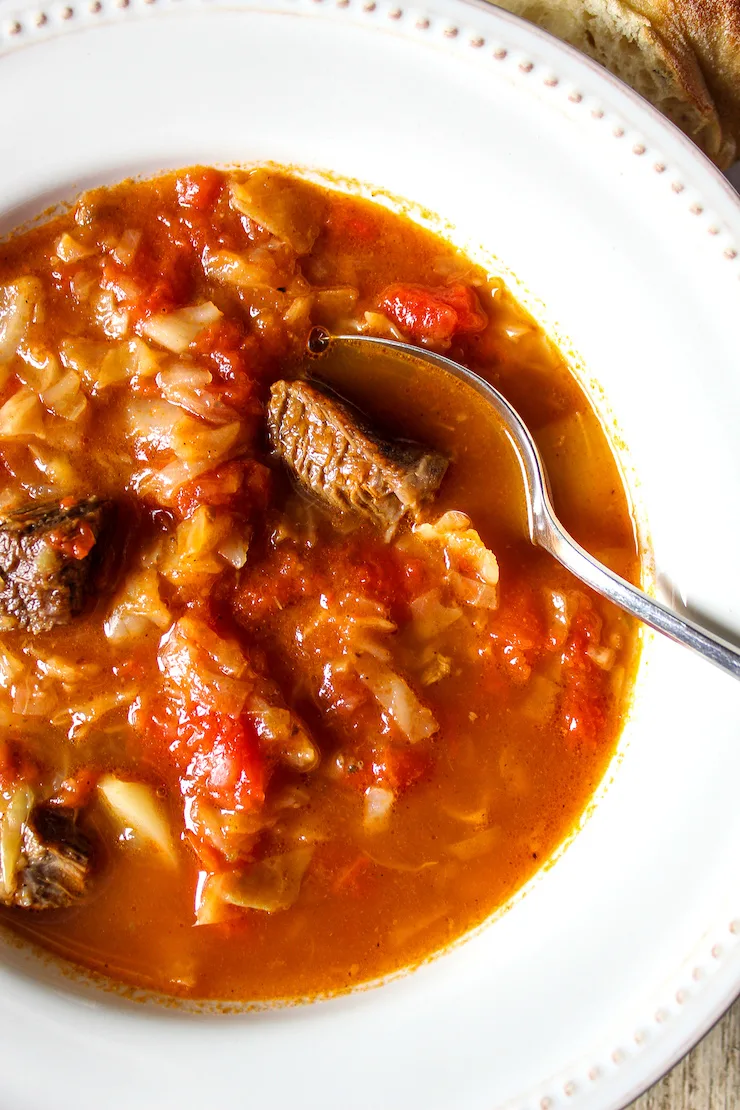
{"x":708,"y":1078}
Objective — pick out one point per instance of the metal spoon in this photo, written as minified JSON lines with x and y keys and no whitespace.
{"x":544,"y":527}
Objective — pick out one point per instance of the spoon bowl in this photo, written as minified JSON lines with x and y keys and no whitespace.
{"x":330,"y":358}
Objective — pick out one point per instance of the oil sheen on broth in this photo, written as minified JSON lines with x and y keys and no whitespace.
{"x":285,"y":704}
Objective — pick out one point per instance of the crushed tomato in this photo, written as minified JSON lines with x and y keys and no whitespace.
{"x":199,"y":189}
{"x":433,"y":315}
{"x":244,"y":485}
{"x":219,"y":757}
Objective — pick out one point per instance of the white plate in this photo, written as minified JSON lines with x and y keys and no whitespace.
{"x":619,"y":957}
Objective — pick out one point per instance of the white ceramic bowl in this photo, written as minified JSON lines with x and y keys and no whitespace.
{"x":625,"y":242}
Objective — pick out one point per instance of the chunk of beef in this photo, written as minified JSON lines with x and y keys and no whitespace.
{"x":335,"y":456}
{"x":48,"y":555}
{"x":55,"y":865}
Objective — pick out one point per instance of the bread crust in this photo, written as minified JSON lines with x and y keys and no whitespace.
{"x":682,"y":55}
{"x":713,"y":27}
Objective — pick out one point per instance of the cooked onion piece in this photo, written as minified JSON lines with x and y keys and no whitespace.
{"x":136,"y":808}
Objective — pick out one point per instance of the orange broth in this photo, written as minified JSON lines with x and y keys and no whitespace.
{"x":528,"y":697}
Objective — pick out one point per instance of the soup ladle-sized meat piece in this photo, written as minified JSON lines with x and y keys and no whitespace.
{"x":335,"y":456}
{"x":48,"y":556}
{"x":328,"y":354}
{"x":55,"y":861}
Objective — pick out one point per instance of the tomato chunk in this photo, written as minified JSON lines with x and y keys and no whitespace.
{"x":400,"y":767}
{"x":74,"y":545}
{"x":278,"y":582}
{"x":199,"y":190}
{"x":516,"y":631}
{"x":584,"y":703}
{"x":226,"y":763}
{"x":244,"y":485}
{"x":434,"y":315}
{"x":235,"y":358}
{"x":159,"y":279}
{"x":217,"y":756}
{"x":584,"y":710}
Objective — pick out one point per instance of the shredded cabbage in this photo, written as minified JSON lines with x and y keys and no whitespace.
{"x":287,"y":212}
{"x":231,"y":832}
{"x":234,"y":269}
{"x":113,"y":320}
{"x":226,"y":654}
{"x":542,"y":695}
{"x":436,"y":667}
{"x":476,"y":845}
{"x":176,"y":330}
{"x":162,"y":485}
{"x":463,"y":548}
{"x":12,"y":824}
{"x":359,"y":625}
{"x":298,"y":314}
{"x":430,"y":617}
{"x":80,"y":717}
{"x":126,"y":247}
{"x":335,"y":301}
{"x":397,"y":699}
{"x":38,"y":369}
{"x":192,"y":552}
{"x":391,"y":863}
{"x":378,"y":324}
{"x":161,"y":426}
{"x":270,"y":885}
{"x":186,"y":385}
{"x":71,"y":250}
{"x":560,"y":609}
{"x":32,"y":698}
{"x":379,"y":802}
{"x":55,"y":467}
{"x":63,"y":670}
{"x":136,"y":608}
{"x":22,"y":416}
{"x":64,"y":398}
{"x":193,"y":441}
{"x":471,"y":591}
{"x":11,"y":667}
{"x":472,"y":815}
{"x":203,"y":667}
{"x":210,"y":907}
{"x":104,"y":364}
{"x":279,"y":728}
{"x":18,"y":303}
{"x":603,"y":657}
{"x":235,"y":548}
{"x":151,"y":423}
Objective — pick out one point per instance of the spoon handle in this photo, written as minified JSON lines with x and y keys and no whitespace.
{"x":561,"y":544}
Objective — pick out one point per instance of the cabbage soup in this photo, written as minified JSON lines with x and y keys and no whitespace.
{"x":288,"y":701}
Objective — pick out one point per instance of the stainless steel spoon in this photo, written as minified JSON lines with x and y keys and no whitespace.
{"x":544,"y":527}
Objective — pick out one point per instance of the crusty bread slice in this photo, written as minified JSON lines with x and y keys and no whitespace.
{"x":682,"y":55}
{"x":713,"y":28}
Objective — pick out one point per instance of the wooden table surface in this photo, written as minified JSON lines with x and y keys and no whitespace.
{"x":708,"y":1078}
